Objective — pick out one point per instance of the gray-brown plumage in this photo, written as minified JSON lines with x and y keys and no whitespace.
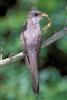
{"x":30,"y":41}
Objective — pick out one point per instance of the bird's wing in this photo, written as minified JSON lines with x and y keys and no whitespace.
{"x":22,"y":38}
{"x":38,"y":44}
{"x":23,"y":42}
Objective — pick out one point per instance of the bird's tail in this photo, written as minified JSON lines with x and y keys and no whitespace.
{"x":32,"y":64}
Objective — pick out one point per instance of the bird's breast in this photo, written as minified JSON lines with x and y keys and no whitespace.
{"x":32,"y":35}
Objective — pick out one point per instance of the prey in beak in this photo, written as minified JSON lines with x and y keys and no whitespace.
{"x":49,"y":21}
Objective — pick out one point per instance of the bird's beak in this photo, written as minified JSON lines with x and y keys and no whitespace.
{"x":44,"y":15}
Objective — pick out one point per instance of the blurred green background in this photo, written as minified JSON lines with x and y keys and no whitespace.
{"x":15,"y":81}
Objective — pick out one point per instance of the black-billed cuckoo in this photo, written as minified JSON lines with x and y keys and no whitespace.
{"x":30,"y":41}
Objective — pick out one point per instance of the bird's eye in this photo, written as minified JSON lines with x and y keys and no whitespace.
{"x":35,"y":14}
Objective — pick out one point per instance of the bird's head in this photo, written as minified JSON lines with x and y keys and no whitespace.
{"x":36,"y":16}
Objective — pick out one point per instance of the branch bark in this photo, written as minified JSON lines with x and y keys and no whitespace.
{"x":55,"y":37}
{"x":47,"y":42}
{"x":12,"y":59}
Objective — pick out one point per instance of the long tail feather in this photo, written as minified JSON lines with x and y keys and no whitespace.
{"x":32,"y":64}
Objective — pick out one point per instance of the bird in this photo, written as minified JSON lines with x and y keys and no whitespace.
{"x":30,"y":37}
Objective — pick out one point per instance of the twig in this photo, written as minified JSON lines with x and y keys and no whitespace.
{"x":12,"y":59}
{"x":55,"y":37}
{"x":47,"y":42}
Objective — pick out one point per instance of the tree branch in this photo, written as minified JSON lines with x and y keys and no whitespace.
{"x":55,"y":37}
{"x":12,"y":59}
{"x":47,"y":42}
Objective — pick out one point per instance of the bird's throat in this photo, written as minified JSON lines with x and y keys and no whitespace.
{"x":34,"y":20}
{"x":32,"y":24}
